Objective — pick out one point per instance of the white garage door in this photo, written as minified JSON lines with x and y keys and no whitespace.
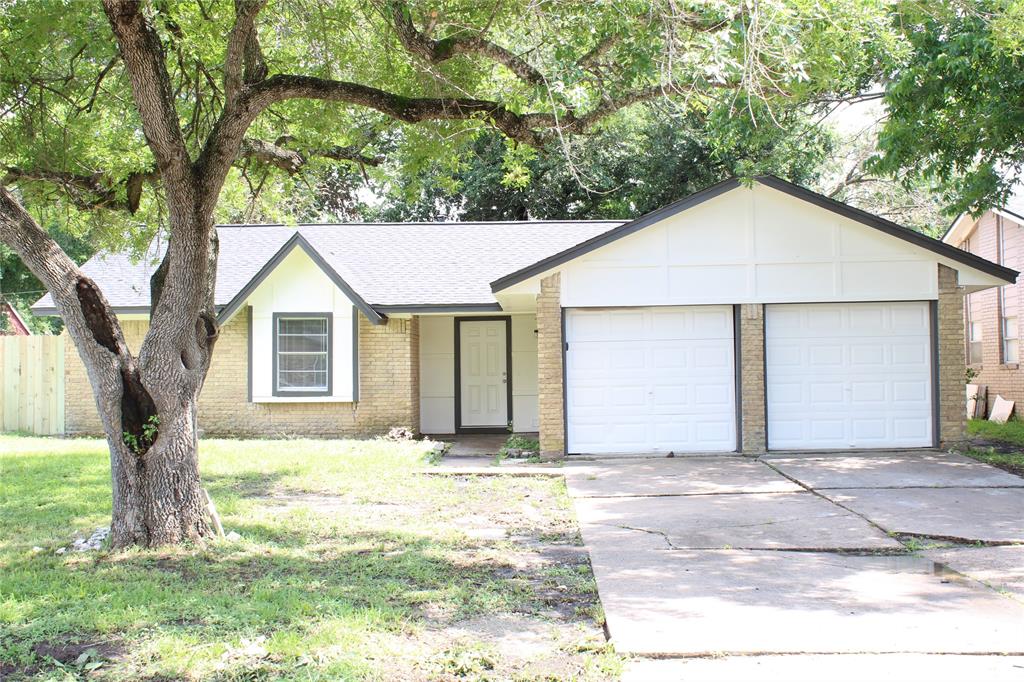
{"x":849,"y":375}
{"x":650,"y":380}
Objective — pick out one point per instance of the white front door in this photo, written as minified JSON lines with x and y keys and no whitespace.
{"x":650,"y":380}
{"x":483,"y":373}
{"x":848,"y":375}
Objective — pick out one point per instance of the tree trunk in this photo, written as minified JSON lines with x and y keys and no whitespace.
{"x":158,"y":495}
{"x":147,"y":405}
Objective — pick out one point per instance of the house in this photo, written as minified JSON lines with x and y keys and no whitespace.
{"x":991,"y":336}
{"x":741,"y":318}
{"x":13,"y":325}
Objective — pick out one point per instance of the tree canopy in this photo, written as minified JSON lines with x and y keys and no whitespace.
{"x":955,"y":101}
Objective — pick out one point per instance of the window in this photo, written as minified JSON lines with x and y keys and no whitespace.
{"x":1008,"y":331}
{"x":973,"y":336}
{"x":302,"y":354}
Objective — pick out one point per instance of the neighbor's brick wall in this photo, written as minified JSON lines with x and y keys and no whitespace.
{"x":952,"y":399}
{"x":753,"y":420}
{"x":1001,"y":379}
{"x":549,"y":368}
{"x":388,"y":388}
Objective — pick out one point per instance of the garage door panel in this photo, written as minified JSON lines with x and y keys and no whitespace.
{"x":650,"y":380}
{"x":863,"y":383}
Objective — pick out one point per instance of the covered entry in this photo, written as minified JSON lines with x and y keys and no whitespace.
{"x":650,"y":380}
{"x":849,"y":375}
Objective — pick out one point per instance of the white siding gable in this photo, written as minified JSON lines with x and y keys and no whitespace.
{"x":298,"y":285}
{"x":755,"y":245}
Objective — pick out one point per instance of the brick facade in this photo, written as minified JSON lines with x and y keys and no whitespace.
{"x":1005,"y":379}
{"x":388,"y":388}
{"x":550,"y":375}
{"x":753,"y":420}
{"x":952,"y":406}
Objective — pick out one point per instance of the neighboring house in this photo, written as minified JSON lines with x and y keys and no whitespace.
{"x":737,"y":319}
{"x":991,"y":317}
{"x":15,"y":324}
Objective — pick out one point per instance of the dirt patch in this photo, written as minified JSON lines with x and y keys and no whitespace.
{"x":75,"y":656}
{"x":1000,"y":454}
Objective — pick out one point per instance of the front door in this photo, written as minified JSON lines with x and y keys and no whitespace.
{"x":483,"y":373}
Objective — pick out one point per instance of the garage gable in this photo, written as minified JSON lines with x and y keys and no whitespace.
{"x":769,"y":243}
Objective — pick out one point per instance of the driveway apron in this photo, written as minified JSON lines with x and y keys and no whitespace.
{"x":728,"y":555}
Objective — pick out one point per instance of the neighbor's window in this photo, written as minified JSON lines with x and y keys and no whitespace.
{"x":973,"y":336}
{"x":1011,"y":352}
{"x":302,"y":355}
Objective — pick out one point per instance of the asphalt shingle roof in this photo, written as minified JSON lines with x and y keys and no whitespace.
{"x":388,"y":264}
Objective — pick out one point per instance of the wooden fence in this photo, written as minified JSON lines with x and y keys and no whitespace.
{"x":32,"y":376}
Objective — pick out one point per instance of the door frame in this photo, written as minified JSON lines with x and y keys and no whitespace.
{"x":459,"y":428}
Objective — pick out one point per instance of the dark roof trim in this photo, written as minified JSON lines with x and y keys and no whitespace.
{"x":298,"y":241}
{"x":52,"y":311}
{"x":613,"y":234}
{"x":700,"y":197}
{"x":916,"y":238}
{"x":440,"y":308}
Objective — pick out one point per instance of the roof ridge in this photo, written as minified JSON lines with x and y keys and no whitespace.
{"x":432,"y":223}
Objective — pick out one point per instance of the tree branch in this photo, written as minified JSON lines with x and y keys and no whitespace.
{"x":292,"y":161}
{"x":243,"y":62}
{"x":87,"y":192}
{"x":144,"y":61}
{"x":436,"y":51}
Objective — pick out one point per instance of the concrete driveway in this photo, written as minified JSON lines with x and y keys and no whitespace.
{"x":901,"y":554}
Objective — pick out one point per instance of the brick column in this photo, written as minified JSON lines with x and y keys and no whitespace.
{"x":549,"y":369}
{"x":952,"y":405}
{"x":751,"y":366}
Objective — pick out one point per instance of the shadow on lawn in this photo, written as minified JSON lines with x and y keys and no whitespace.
{"x":371,"y":583}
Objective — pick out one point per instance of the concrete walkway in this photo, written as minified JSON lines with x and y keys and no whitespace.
{"x":713,"y":556}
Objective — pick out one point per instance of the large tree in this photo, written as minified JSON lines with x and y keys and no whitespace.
{"x":150,"y":111}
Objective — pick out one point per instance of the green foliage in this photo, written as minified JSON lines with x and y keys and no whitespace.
{"x":141,"y":442}
{"x":628,"y":168}
{"x":956,"y":101}
{"x":736,"y":77}
{"x":1010,"y":432}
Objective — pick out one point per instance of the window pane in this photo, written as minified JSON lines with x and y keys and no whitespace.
{"x":302,"y":353}
{"x":301,"y":344}
{"x":975,"y":331}
{"x":974,"y":353}
{"x":302,"y":380}
{"x":1010,"y":327}
{"x":302,"y":325}
{"x":1011,"y":353}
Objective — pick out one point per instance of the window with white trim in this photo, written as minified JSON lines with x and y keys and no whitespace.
{"x":974,"y":335}
{"x":1008,"y":332}
{"x":302,"y":354}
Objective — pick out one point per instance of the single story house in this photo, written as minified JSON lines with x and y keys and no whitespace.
{"x":991,"y":329}
{"x":741,"y":318}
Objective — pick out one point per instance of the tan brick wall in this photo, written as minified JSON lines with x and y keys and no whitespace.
{"x":388,"y":388}
{"x":952,"y":402}
{"x":753,"y":439}
{"x":1002,"y":379}
{"x":549,"y":368}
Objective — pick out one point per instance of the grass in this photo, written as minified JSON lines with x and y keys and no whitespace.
{"x":351,"y":566}
{"x":1000,"y":445}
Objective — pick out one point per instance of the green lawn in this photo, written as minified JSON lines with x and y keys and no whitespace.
{"x":1000,"y":445}
{"x":351,"y":566}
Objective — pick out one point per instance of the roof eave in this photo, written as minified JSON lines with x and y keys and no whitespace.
{"x":936,"y":246}
{"x":298,"y":241}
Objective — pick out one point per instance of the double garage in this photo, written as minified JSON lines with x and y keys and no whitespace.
{"x":666,"y":379}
